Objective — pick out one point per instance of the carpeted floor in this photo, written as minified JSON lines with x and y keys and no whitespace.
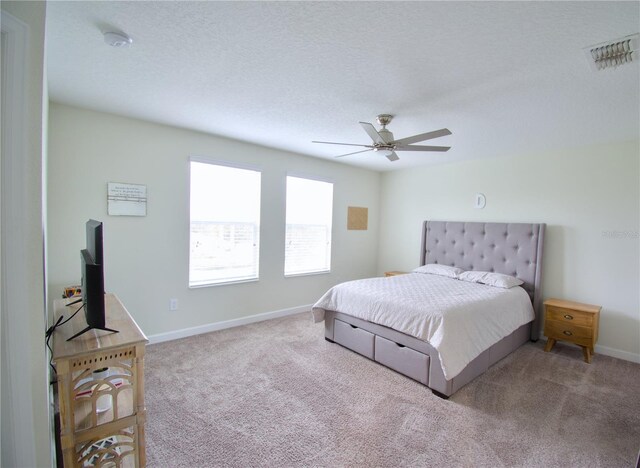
{"x":277,"y":394}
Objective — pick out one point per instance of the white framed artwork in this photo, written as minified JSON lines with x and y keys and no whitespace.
{"x":126,"y":199}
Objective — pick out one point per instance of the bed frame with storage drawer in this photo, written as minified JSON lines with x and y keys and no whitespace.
{"x":510,"y":248}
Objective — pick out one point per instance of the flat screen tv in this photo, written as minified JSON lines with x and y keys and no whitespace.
{"x":92,"y":268}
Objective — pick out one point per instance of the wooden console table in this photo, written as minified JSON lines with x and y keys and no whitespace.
{"x":102,"y":412}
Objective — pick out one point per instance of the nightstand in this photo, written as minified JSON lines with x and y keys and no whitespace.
{"x":573,"y":322}
{"x":395,"y":273}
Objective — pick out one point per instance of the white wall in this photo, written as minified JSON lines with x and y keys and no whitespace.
{"x":582,"y":194}
{"x":25,"y":410}
{"x":146,"y":258}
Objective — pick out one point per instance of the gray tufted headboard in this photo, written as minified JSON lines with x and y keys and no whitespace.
{"x":510,"y":248}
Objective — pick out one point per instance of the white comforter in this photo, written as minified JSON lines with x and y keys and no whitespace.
{"x":459,"y":319}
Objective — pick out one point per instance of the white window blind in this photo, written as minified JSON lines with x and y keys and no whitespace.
{"x":308,"y":229}
{"x":224,"y":224}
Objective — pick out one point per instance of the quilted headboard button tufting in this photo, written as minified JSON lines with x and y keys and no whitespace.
{"x":509,"y":248}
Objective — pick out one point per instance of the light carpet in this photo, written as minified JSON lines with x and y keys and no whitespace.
{"x":277,"y":394}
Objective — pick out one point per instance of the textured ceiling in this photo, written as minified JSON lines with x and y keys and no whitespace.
{"x":505,"y":77}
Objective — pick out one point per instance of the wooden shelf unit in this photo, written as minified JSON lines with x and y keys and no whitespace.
{"x":114,"y":437}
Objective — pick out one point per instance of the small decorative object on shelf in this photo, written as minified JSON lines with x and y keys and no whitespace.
{"x":100,"y":389}
{"x":394,"y":273}
{"x":573,"y":322}
{"x":72,"y":291}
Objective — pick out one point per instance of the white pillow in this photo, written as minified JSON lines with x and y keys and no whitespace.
{"x":491,"y":279}
{"x":437,"y":269}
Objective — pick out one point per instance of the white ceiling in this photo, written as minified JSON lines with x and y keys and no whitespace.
{"x":506,"y":78}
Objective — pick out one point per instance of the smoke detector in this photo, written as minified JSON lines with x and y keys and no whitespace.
{"x":117,"y":39}
{"x":614,"y":53}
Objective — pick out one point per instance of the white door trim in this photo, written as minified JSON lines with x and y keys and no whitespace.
{"x":17,"y":392}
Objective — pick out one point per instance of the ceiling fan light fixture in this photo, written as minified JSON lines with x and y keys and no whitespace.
{"x":384,"y":142}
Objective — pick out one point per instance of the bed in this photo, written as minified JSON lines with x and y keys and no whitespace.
{"x":455,"y":344}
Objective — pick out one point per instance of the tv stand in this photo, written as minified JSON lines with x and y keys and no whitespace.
{"x":91,"y":328}
{"x":93,"y":368}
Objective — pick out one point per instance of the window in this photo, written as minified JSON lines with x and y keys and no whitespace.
{"x":224,"y":224}
{"x":308,"y":233}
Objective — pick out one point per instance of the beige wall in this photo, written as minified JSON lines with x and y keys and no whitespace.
{"x":25,"y":408}
{"x":589,"y":198}
{"x":583,"y":195}
{"x":146,"y":258}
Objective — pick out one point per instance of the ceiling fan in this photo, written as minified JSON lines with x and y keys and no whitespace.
{"x":384,"y":143}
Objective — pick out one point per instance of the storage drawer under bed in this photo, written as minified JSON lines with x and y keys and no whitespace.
{"x":405,"y":360}
{"x":354,"y":338}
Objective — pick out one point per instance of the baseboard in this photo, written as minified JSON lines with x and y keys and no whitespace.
{"x":612,"y":352}
{"x":618,"y":353}
{"x":209,"y":327}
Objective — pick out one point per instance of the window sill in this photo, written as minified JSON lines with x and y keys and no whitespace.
{"x":312,"y":273}
{"x":223,"y":283}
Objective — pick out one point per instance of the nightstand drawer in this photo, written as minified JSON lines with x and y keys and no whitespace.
{"x":568,"y":332}
{"x":574,"y":317}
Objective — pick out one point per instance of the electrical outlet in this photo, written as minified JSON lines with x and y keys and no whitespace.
{"x":173,"y":304}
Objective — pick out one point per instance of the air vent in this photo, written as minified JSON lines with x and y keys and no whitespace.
{"x":614,"y":53}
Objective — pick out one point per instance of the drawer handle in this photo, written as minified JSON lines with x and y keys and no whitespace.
{"x":400,"y":345}
{"x":567,"y":332}
{"x":568,"y":317}
{"x":352,"y":326}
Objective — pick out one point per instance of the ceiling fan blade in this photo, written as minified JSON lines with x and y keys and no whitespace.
{"x":422,"y":148}
{"x":346,"y":144}
{"x":392,"y":156}
{"x":373,"y":133}
{"x":355,"y":152}
{"x":423,"y":136}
